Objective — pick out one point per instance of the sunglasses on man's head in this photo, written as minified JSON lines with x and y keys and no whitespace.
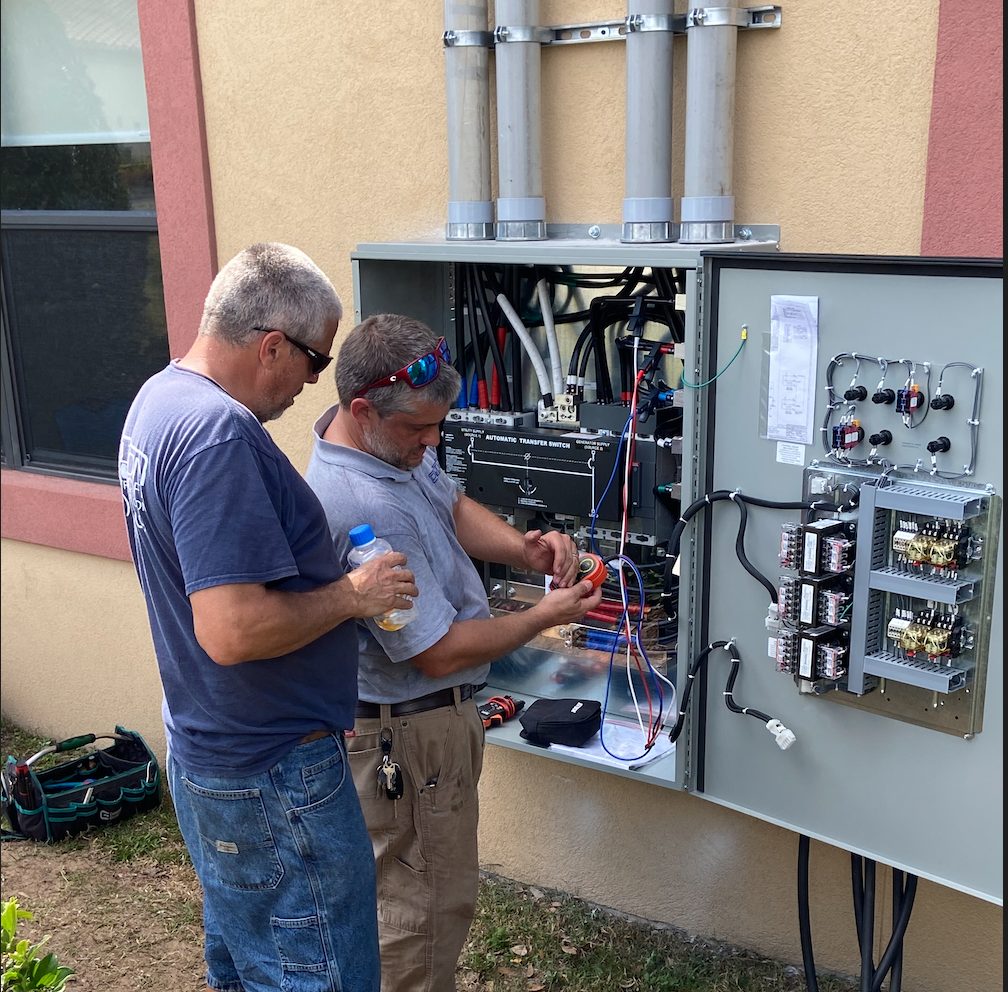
{"x":316,"y":360}
{"x":420,"y":372}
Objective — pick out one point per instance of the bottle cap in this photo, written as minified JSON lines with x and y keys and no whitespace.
{"x":360,"y":535}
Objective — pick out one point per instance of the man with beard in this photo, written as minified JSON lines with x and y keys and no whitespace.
{"x":374,"y":462}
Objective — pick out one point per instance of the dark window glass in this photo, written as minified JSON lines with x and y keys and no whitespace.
{"x":77,"y":177}
{"x":85,"y":314}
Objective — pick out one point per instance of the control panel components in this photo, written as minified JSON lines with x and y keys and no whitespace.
{"x":813,"y":607}
{"x":890,"y":602}
{"x":884,"y":426}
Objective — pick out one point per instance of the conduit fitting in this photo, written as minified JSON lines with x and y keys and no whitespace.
{"x":647,"y":219}
{"x":707,"y":219}
{"x":470,"y":220}
{"x":521,"y":218}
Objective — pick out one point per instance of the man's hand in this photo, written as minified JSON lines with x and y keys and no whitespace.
{"x":382,"y":584}
{"x":571,"y":603}
{"x":551,"y":553}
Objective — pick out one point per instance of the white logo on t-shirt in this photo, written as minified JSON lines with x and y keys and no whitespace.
{"x":133,"y":464}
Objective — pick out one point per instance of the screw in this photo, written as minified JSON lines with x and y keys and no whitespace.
{"x":594,"y":231}
{"x":745,"y":233}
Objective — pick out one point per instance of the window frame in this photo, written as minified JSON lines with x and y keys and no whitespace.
{"x":13,"y":418}
{"x":52,"y":510}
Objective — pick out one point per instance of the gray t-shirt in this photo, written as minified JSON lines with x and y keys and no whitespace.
{"x":413,"y":512}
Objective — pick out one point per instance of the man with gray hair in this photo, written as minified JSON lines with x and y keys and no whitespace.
{"x":250,"y":614}
{"x":417,"y":723}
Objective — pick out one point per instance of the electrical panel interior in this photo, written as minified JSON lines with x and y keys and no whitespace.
{"x":791,"y":467}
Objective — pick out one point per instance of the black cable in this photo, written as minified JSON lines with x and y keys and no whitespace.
{"x":894,"y":949}
{"x":804,"y":924}
{"x":491,"y":283}
{"x":739,"y":499}
{"x":899,"y":887}
{"x":857,"y":892}
{"x":479,"y":353}
{"x":867,"y":933}
{"x":694,"y":669}
{"x":478,"y":302}
{"x":736,"y":667}
{"x":744,"y":558}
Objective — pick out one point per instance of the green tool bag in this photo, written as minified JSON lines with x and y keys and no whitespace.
{"x":102,"y":787}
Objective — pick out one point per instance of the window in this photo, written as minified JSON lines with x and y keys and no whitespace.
{"x":83,"y":307}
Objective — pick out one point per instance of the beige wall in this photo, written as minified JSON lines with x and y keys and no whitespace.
{"x":328,"y":130}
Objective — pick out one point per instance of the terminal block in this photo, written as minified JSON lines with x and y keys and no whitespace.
{"x":922,"y":582}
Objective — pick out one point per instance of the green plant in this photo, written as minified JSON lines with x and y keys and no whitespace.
{"x":24,"y":970}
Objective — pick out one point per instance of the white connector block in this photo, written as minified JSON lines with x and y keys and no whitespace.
{"x":567,"y":409}
{"x":784,"y":737}
{"x":547,"y":414}
{"x":509,"y":419}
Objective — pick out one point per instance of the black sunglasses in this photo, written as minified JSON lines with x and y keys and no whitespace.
{"x":316,"y":360}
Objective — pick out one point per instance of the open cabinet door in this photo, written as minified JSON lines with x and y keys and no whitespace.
{"x":872,"y":387}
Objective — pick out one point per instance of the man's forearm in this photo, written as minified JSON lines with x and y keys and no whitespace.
{"x":484,"y":535}
{"x":475,"y":642}
{"x":247,"y":622}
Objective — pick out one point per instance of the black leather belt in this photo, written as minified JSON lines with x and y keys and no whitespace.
{"x":432,"y":701}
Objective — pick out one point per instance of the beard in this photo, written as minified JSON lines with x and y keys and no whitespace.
{"x":378,"y":445}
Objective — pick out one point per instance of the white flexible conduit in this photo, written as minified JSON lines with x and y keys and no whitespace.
{"x":530,"y":348}
{"x":546,"y":306}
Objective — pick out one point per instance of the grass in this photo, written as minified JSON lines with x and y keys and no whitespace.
{"x":526,"y":939}
{"x":523,"y":939}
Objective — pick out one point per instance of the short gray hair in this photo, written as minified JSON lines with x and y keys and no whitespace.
{"x":379,"y":346}
{"x":270,"y":285}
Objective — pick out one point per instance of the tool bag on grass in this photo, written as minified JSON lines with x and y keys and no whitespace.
{"x":99,"y":788}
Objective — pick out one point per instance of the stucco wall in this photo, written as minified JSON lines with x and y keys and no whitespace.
{"x":328,"y":130}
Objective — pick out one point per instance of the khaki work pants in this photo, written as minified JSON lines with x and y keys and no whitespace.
{"x":424,"y":843}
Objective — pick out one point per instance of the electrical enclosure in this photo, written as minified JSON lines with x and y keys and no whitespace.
{"x":856,"y":391}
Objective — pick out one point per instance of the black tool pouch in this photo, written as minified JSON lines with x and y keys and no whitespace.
{"x":573,"y":722}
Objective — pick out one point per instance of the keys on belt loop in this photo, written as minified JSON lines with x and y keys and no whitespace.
{"x":389,"y":773}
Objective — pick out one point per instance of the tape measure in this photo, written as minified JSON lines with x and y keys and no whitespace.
{"x":592,"y":568}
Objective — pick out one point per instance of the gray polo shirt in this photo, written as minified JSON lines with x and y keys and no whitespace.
{"x":413,"y":512}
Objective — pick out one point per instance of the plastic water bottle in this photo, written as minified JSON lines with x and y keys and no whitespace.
{"x":365,"y":547}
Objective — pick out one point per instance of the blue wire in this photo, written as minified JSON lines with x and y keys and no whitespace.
{"x":612,"y":475}
{"x":640,"y":648}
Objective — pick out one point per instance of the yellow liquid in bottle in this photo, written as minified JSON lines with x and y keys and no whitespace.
{"x":388,"y":625}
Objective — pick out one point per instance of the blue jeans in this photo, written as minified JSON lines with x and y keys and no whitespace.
{"x":287,"y":872}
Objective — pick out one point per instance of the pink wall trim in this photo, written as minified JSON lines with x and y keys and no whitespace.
{"x":84,"y":516}
{"x":181,"y":167}
{"x":963,"y":198}
{"x":63,"y":513}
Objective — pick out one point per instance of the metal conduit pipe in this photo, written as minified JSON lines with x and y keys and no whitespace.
{"x":647,"y":204}
{"x":708,"y":205}
{"x":467,"y":42}
{"x":521,"y":207}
